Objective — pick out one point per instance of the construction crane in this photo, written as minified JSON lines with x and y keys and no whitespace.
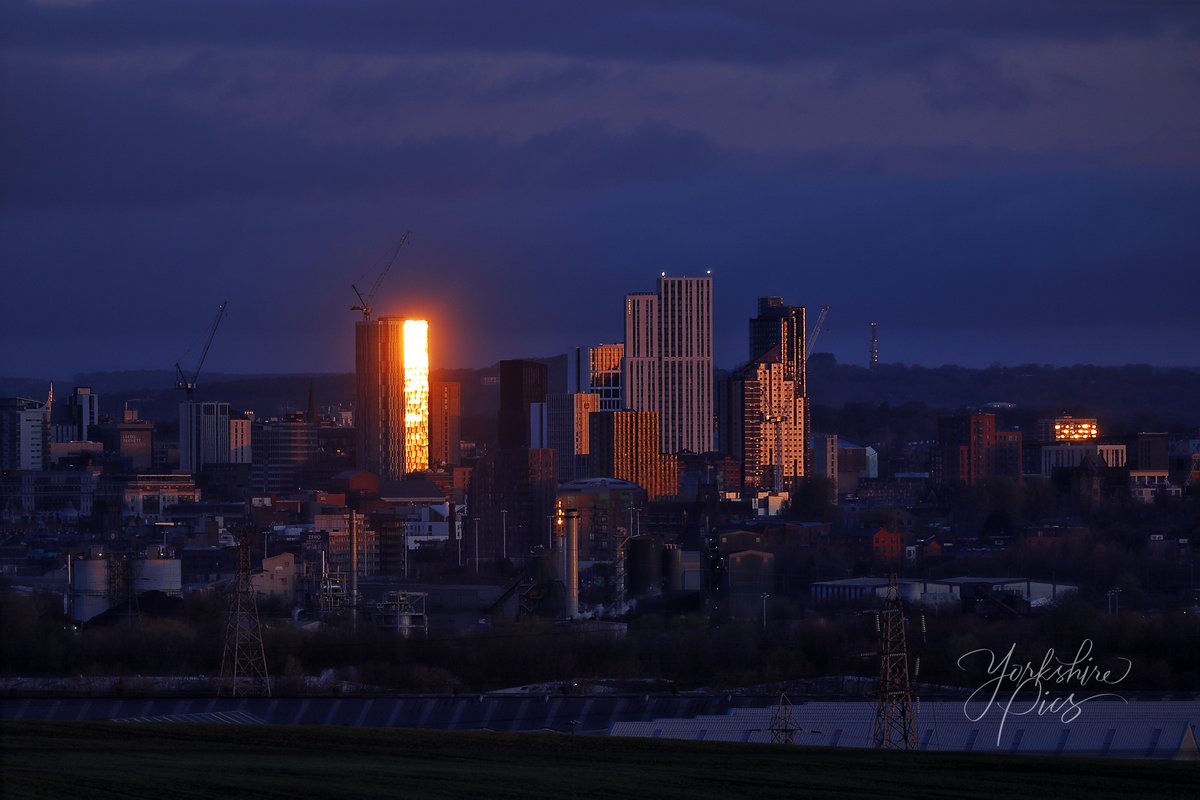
{"x":189,"y":384}
{"x":816,"y":331}
{"x":364,"y":303}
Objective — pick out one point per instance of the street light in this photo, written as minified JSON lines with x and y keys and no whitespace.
{"x":504,"y":533}
{"x":476,"y":545}
{"x":764,"y":599}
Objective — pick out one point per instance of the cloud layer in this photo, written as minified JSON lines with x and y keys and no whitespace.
{"x":990,"y":183}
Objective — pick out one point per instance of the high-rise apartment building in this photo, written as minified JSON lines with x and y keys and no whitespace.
{"x":624,"y":445}
{"x":391,"y":408}
{"x":522,"y":383}
{"x":762,"y":424}
{"x":597,"y":370}
{"x":445,"y":422}
{"x":669,"y":361}
{"x":780,"y":328}
{"x":203,"y":434}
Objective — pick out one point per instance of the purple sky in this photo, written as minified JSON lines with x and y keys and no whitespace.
{"x":992,"y":181}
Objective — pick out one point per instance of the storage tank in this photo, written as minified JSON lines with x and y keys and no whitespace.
{"x":643,"y":565}
{"x":672,"y":567}
{"x":89,"y":588}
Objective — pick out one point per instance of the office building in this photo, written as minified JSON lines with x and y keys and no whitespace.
{"x":391,"y":410}
{"x":283,"y":454}
{"x":76,"y":420}
{"x":762,"y":424}
{"x":597,"y":370}
{"x":625,"y":445}
{"x":669,"y":361}
{"x":24,"y":434}
{"x":522,"y":383}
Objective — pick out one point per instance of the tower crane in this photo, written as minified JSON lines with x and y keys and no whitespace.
{"x":816,"y":331}
{"x":189,"y":384}
{"x":364,"y":303}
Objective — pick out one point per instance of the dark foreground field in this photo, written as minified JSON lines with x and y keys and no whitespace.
{"x":125,"y":760}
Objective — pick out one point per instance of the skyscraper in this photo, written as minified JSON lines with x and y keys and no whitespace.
{"x":391,"y":408}
{"x":779,"y":327}
{"x":624,"y":445}
{"x":669,"y":361}
{"x":762,"y":424}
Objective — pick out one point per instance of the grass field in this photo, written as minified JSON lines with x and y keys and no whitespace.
{"x":125,"y":760}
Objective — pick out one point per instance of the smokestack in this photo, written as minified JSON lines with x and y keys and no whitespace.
{"x":570,"y":562}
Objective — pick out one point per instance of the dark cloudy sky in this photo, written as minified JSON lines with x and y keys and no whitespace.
{"x":1001,"y":181}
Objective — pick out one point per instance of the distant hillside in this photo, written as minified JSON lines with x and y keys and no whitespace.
{"x":1122,"y":396}
{"x":1116,"y":394}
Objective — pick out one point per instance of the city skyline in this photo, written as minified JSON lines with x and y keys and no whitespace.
{"x":952,"y":171}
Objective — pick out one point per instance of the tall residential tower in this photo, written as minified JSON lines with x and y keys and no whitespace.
{"x":391,"y":406}
{"x":669,"y":361}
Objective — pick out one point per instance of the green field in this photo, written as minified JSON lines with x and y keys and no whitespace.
{"x":125,"y":760}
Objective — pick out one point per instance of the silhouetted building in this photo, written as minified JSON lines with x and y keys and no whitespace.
{"x":512,"y":496}
{"x":445,"y":422}
{"x":522,"y":383}
{"x":284,"y":451}
{"x":779,"y":327}
{"x":669,"y":361}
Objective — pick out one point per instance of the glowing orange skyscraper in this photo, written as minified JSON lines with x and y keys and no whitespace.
{"x":391,"y":404}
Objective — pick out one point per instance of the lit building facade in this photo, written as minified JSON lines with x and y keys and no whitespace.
{"x":597,"y":370}
{"x":668,"y":367}
{"x":625,"y":445}
{"x":240,"y":451}
{"x":391,"y":411}
{"x":1069,"y":429}
{"x":762,"y":424}
{"x":779,"y":333}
